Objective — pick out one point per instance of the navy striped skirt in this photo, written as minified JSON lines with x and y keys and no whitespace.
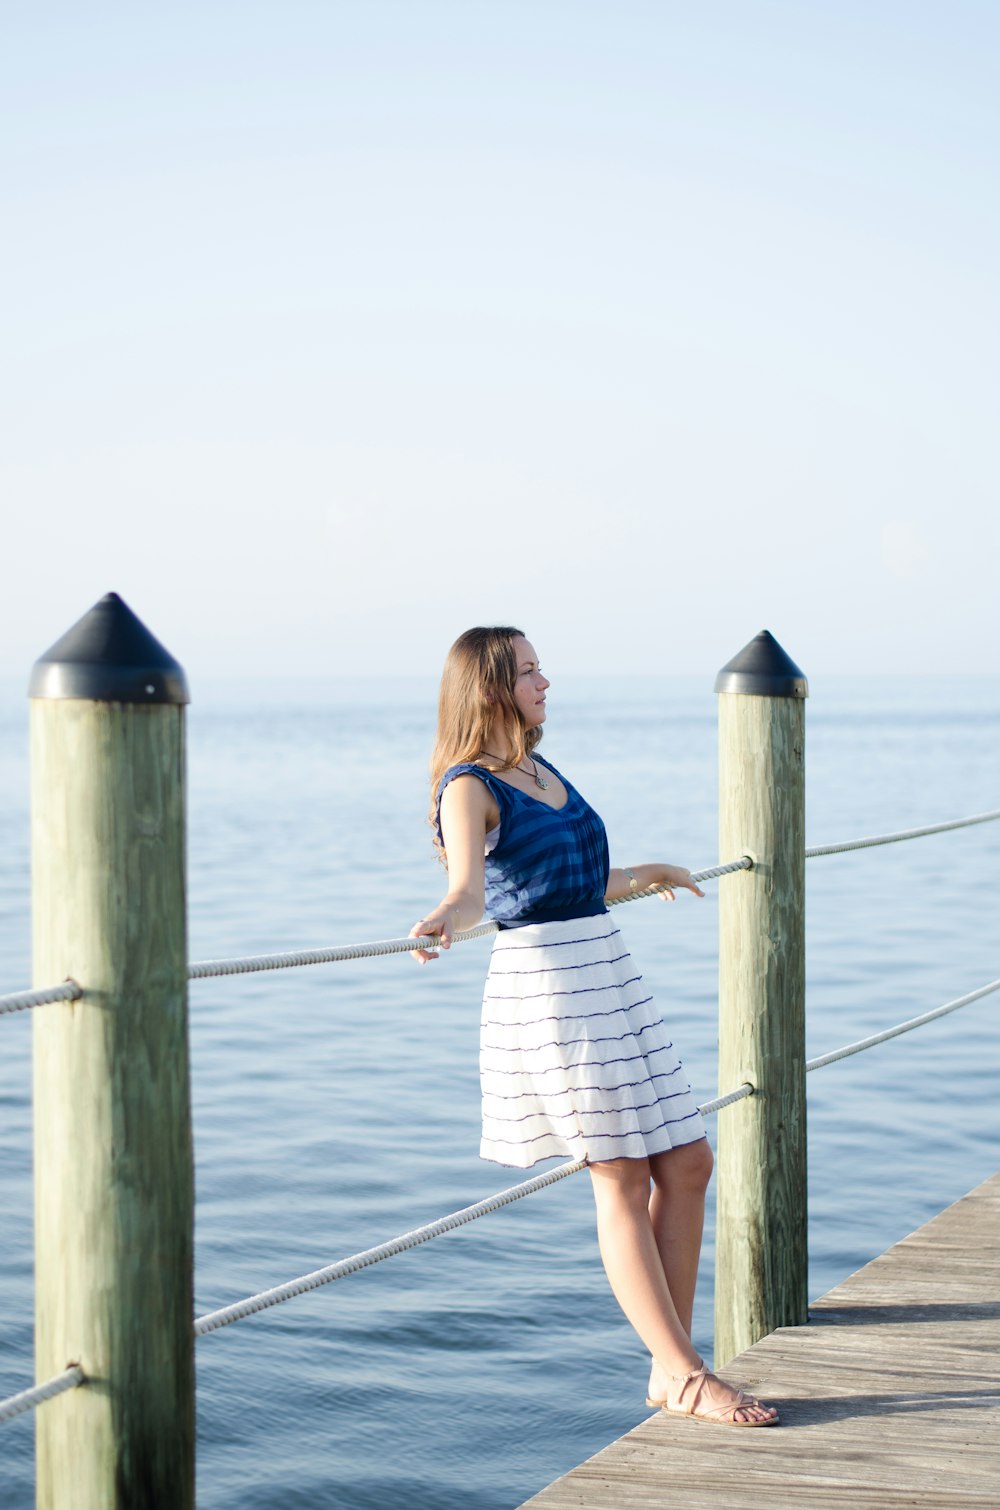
{"x":574,"y":1058}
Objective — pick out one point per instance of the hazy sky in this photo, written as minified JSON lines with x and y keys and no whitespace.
{"x":332,"y":328}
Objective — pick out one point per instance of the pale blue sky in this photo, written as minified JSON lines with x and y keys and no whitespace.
{"x":333,"y":328}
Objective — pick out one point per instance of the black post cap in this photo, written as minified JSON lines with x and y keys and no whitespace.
{"x":763,"y":669}
{"x":109,"y":656}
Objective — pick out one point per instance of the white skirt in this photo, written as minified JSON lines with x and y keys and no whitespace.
{"x":574,"y":1058}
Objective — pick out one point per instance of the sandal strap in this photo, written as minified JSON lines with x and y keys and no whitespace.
{"x":693,"y":1386}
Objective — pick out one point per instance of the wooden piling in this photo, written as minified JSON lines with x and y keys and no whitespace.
{"x":761,"y":1227}
{"x":113,"y":1158}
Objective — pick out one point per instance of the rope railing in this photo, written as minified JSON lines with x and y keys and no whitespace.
{"x":213,"y":1320}
{"x":249,"y":964}
{"x":902,"y":1027}
{"x":18,"y":1405}
{"x":903,"y":833}
{"x":266,"y":1298}
{"x":20,"y":1001}
{"x":746,"y":1089}
{"x":240,"y":1309}
{"x":71,"y":990}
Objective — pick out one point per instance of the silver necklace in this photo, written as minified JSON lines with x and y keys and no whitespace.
{"x":539,"y":780}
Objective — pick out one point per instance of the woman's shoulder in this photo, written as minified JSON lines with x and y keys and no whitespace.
{"x":468,"y":768}
{"x":484,"y":796}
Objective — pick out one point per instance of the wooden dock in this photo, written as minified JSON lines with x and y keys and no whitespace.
{"x":889,"y":1397}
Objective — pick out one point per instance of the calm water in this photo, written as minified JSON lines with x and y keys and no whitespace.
{"x":337,"y":1106}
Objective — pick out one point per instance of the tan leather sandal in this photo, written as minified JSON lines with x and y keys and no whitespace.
{"x":693,"y":1397}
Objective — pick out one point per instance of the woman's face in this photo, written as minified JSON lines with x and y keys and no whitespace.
{"x":529,"y":688}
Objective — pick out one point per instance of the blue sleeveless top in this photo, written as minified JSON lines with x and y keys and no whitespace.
{"x":548,"y":863}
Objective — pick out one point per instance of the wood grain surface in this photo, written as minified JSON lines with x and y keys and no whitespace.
{"x":113,"y":1160}
{"x":761,"y":1227}
{"x":889,"y":1397}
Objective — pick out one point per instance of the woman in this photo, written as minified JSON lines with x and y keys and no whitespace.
{"x":574,"y":1059}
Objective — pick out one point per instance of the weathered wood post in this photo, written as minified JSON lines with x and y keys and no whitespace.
{"x":113,"y":1162}
{"x":761,"y":1233}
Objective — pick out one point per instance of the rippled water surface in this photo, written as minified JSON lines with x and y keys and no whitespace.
{"x":337,"y":1106}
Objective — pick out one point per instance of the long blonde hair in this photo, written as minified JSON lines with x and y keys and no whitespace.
{"x":477,"y":688}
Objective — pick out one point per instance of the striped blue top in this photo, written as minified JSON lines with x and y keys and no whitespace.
{"x":547,"y":863}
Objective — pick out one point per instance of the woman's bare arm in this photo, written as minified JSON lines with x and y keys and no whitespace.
{"x":468,"y":811}
{"x":672,"y":876}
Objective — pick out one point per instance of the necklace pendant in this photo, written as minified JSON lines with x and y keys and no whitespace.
{"x":543,"y":784}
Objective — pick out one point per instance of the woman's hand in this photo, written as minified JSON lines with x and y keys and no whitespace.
{"x":442,"y":923}
{"x":675,"y":878}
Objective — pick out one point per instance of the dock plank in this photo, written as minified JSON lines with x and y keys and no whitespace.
{"x":890,"y":1397}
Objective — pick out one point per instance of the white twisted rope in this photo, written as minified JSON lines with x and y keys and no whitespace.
{"x":746,"y":1089}
{"x":903,"y":1027}
{"x":247,"y":964}
{"x":213,"y":1320}
{"x":862,"y":1043}
{"x":17,"y":1405}
{"x":21,"y":1000}
{"x":236,"y":1312}
{"x":239,"y":1310}
{"x":906,"y":833}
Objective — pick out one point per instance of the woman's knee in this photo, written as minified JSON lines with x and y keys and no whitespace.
{"x":686,"y":1168}
{"x":621,"y":1181}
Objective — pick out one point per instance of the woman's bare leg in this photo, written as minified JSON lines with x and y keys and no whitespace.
{"x":632,"y":1258}
{"x":677,"y":1215}
{"x":632,"y":1262}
